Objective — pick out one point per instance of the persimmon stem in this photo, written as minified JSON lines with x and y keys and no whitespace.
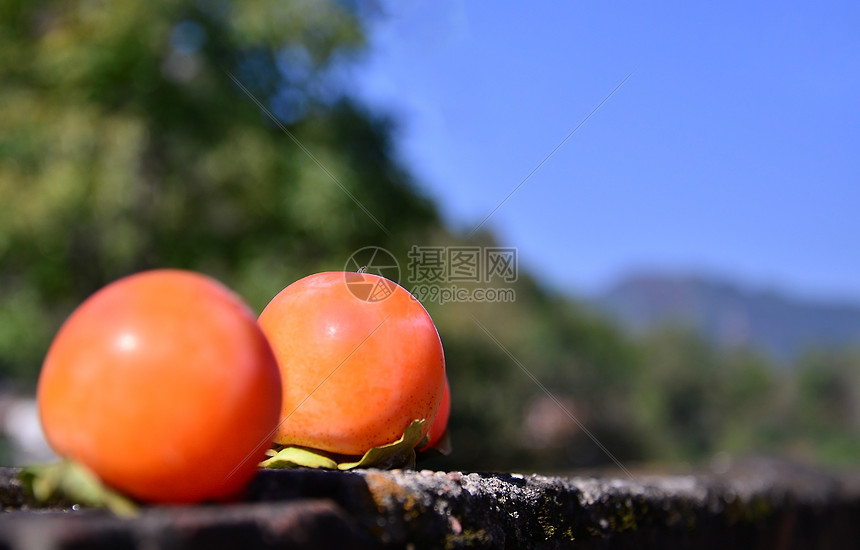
{"x":362,"y":269}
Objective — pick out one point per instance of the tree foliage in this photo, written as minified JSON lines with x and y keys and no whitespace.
{"x":127,"y":145}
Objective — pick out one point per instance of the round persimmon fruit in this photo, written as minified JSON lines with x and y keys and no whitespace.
{"x":357,"y":367}
{"x":440,"y":423}
{"x":163,"y":384}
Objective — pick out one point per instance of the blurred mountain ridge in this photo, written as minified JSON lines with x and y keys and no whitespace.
{"x":730,"y":314}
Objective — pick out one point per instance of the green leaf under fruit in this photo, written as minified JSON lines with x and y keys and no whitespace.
{"x":71,"y":482}
{"x":294,"y":457}
{"x":399,"y":454}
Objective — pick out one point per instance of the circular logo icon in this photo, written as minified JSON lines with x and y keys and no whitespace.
{"x":372,"y":260}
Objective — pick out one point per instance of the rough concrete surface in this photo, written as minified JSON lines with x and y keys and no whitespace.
{"x":752,"y":504}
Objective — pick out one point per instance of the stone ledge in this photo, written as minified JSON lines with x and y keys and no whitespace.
{"x":752,"y":504}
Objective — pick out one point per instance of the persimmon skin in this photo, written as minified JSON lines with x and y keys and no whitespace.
{"x":355,"y":372}
{"x":440,"y":423}
{"x":163,"y":385}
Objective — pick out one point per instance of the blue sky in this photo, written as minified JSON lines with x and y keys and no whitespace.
{"x":733,"y":149}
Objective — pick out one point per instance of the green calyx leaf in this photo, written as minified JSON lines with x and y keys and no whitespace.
{"x":442,"y":447}
{"x":399,"y":454}
{"x":70,"y":482}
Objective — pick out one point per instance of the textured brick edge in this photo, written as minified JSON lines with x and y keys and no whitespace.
{"x":751,"y":504}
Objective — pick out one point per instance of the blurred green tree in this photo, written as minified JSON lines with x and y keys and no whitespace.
{"x":678,"y":393}
{"x":825,"y":411}
{"x":127,"y":145}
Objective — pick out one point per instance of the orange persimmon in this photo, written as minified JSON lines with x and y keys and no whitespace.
{"x":163,"y":384}
{"x":360,"y":359}
{"x":440,"y":423}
